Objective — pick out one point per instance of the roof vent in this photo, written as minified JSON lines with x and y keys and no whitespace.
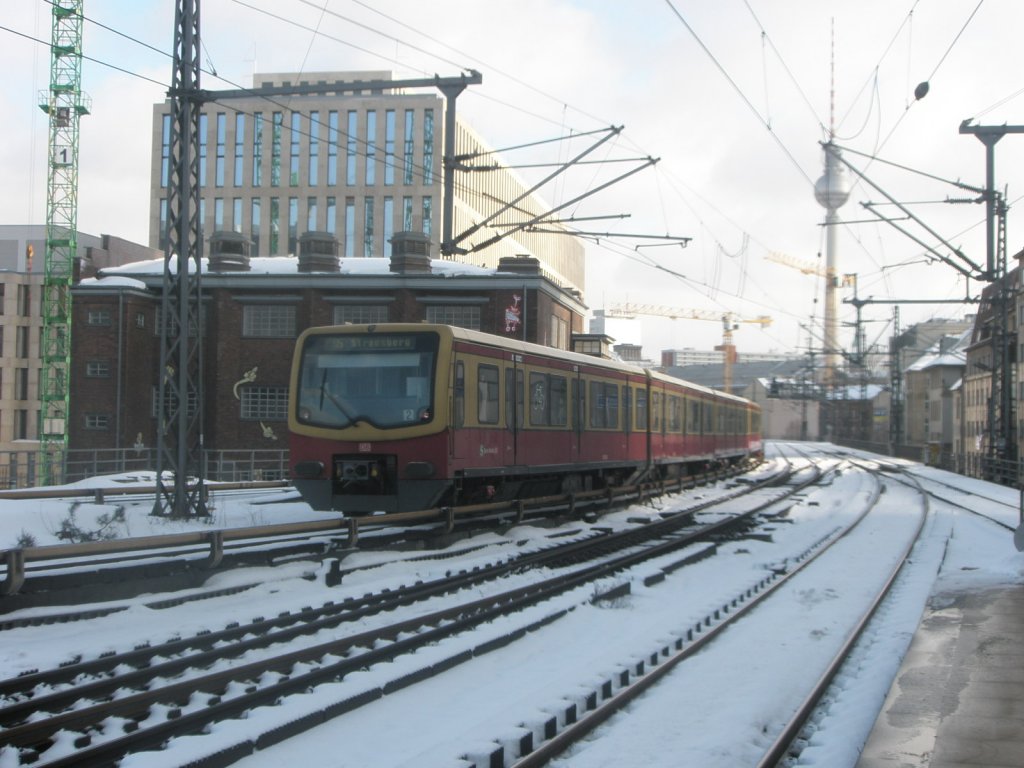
{"x":318,"y":252}
{"x":229,"y":252}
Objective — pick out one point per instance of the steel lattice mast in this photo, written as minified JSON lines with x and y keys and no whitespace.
{"x":65,"y":104}
{"x":180,"y":398}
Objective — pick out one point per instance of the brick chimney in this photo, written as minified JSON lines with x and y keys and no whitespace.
{"x":229,"y":252}
{"x":318,"y":252}
{"x":410,"y":253}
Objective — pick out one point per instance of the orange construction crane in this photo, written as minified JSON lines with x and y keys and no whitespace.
{"x":730,"y":322}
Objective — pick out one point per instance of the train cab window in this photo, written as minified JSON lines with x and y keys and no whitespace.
{"x":460,"y":394}
{"x":641,"y":409}
{"x":487,"y":394}
{"x":604,"y":405}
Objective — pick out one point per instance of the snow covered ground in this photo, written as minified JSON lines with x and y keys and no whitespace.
{"x":718,"y":709}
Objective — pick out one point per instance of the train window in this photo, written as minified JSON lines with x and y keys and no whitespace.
{"x":604,"y":405}
{"x":641,"y":409}
{"x":559,"y":401}
{"x":513,"y":398}
{"x":675,"y":421}
{"x":548,"y":400}
{"x":487,"y":394}
{"x":693,"y":422}
{"x":460,"y":394}
{"x":656,"y":412}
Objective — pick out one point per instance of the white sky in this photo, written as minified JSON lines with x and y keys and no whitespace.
{"x":702,"y":102}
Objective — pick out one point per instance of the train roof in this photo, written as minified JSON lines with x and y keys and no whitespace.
{"x":526,"y":347}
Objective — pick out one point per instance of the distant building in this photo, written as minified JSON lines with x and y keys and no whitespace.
{"x":928,"y":392}
{"x":22,"y":272}
{"x":358,"y":165}
{"x":689,"y":356}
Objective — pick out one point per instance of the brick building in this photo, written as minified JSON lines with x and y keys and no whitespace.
{"x":254,"y":308}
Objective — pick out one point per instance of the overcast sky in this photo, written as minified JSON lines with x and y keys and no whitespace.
{"x":733,"y":97}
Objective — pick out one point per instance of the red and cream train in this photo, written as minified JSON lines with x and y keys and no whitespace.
{"x":396,"y":417}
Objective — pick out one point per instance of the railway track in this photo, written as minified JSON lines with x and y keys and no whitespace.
{"x":93,"y":712}
{"x":102,"y":570}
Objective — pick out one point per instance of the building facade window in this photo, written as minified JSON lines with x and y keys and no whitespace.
{"x":277,"y":126}
{"x":350,"y":227}
{"x":203,"y":147}
{"x":275,"y":225}
{"x":389,"y":224}
{"x":371,"y":147}
{"x":407,"y":214}
{"x":428,"y":207}
{"x":97,"y":421}
{"x":165,"y":151}
{"x":428,"y":146}
{"x":98,"y":317}
{"x":368,"y":227}
{"x":311,"y":214}
{"x":21,"y":383}
{"x":257,"y":149}
{"x":21,"y":422}
{"x":274,"y":321}
{"x":254,"y":225}
{"x":454,"y":314}
{"x":218,"y":214}
{"x":389,"y":147}
{"x":239,"y":149}
{"x":332,"y":148}
{"x":21,"y":341}
{"x":332,"y":216}
{"x":410,"y":146}
{"x":264,"y":403}
{"x":360,"y":314}
{"x":97,"y":369}
{"x":313,"y":177}
{"x":218,"y":167}
{"x":193,"y":402}
{"x":293,"y":224}
{"x":293,"y":154}
{"x":236,"y":214}
{"x":350,"y":147}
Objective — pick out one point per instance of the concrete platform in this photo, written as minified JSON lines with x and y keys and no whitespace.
{"x":958,"y":700}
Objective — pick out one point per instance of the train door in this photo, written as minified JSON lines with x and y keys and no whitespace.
{"x":579,"y":395}
{"x":514,"y":408}
{"x":458,"y":408}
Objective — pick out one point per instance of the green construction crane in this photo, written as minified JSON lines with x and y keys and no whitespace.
{"x":65,"y":104}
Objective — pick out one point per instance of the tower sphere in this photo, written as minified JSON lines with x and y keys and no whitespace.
{"x":831,"y":190}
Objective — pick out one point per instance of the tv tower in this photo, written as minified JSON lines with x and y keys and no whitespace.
{"x":831,"y":191}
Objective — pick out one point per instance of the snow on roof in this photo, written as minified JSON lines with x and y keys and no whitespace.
{"x":114,"y":281}
{"x":288,"y":265}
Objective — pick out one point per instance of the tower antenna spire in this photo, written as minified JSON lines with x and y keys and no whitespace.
{"x":832,"y":87}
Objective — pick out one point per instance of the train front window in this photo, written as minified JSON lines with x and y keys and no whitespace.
{"x":382,"y":379}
